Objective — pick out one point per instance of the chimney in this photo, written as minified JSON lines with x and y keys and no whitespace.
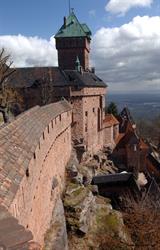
{"x":81,"y":70}
{"x":93,"y":70}
{"x":65,"y":22}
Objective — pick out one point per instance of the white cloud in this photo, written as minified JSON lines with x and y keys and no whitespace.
{"x":30,"y":51}
{"x":122,"y":6}
{"x":128,"y":57}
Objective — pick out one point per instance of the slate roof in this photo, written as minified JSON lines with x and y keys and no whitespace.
{"x":126,"y":120}
{"x":73,"y":28}
{"x":125,"y":114}
{"x":86,"y":79}
{"x":130,"y":138}
{"x":27,"y":77}
{"x":112,"y":178}
{"x":18,"y":141}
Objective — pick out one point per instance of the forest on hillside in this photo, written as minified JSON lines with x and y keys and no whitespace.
{"x":150,"y":129}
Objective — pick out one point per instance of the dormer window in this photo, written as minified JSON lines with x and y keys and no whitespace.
{"x":135,"y":147}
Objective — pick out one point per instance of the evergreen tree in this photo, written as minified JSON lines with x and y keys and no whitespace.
{"x":112,"y":109}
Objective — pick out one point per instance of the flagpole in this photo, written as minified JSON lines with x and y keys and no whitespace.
{"x":69,"y":3}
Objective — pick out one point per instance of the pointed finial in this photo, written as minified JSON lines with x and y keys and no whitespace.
{"x":77,"y":60}
{"x":77,"y":64}
{"x":69,"y":5}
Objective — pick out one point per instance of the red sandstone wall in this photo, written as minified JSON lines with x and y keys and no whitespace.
{"x":77,"y":119}
{"x":91,"y":104}
{"x":108,"y":136}
{"x":88,"y":114}
{"x":72,"y":54}
{"x":70,"y":48}
{"x":35,"y":199}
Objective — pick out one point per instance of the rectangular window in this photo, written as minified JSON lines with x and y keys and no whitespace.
{"x":34,"y":155}
{"x":86,"y":127}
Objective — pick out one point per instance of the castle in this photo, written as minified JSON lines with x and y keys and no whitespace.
{"x":56,"y":109}
{"x":59,"y":106}
{"x":73,"y":80}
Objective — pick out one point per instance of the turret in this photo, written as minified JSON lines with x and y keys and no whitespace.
{"x":72,"y":41}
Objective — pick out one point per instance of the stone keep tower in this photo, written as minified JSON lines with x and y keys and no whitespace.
{"x":80,"y":86}
{"x":72,"y":41}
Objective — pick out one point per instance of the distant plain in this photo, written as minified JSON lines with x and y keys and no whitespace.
{"x":142,"y":106}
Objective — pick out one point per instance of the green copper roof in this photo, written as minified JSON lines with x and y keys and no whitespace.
{"x":86,"y":29}
{"x":73,"y":28}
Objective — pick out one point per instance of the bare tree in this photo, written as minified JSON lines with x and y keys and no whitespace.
{"x":5,"y":72}
{"x":142,"y":220}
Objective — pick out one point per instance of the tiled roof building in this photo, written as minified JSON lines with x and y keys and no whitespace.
{"x":110,"y":120}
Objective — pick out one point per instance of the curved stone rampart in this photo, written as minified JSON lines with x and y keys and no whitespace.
{"x":12,"y":235}
{"x":34,"y":150}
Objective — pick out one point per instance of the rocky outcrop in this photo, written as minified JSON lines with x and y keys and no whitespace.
{"x":106,"y":228}
{"x":90,"y":217}
{"x":84,"y":172}
{"x":79,"y":205}
{"x":91,"y":221}
{"x":56,"y":236}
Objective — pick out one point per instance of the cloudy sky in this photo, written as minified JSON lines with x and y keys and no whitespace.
{"x":125,"y":42}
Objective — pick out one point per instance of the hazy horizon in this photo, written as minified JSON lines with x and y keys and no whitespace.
{"x":141,"y":106}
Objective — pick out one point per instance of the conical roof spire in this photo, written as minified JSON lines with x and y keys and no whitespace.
{"x":73,"y":28}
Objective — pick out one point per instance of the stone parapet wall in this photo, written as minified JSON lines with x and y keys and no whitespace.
{"x":88,"y":91}
{"x":12,"y":235}
{"x":34,"y":151}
